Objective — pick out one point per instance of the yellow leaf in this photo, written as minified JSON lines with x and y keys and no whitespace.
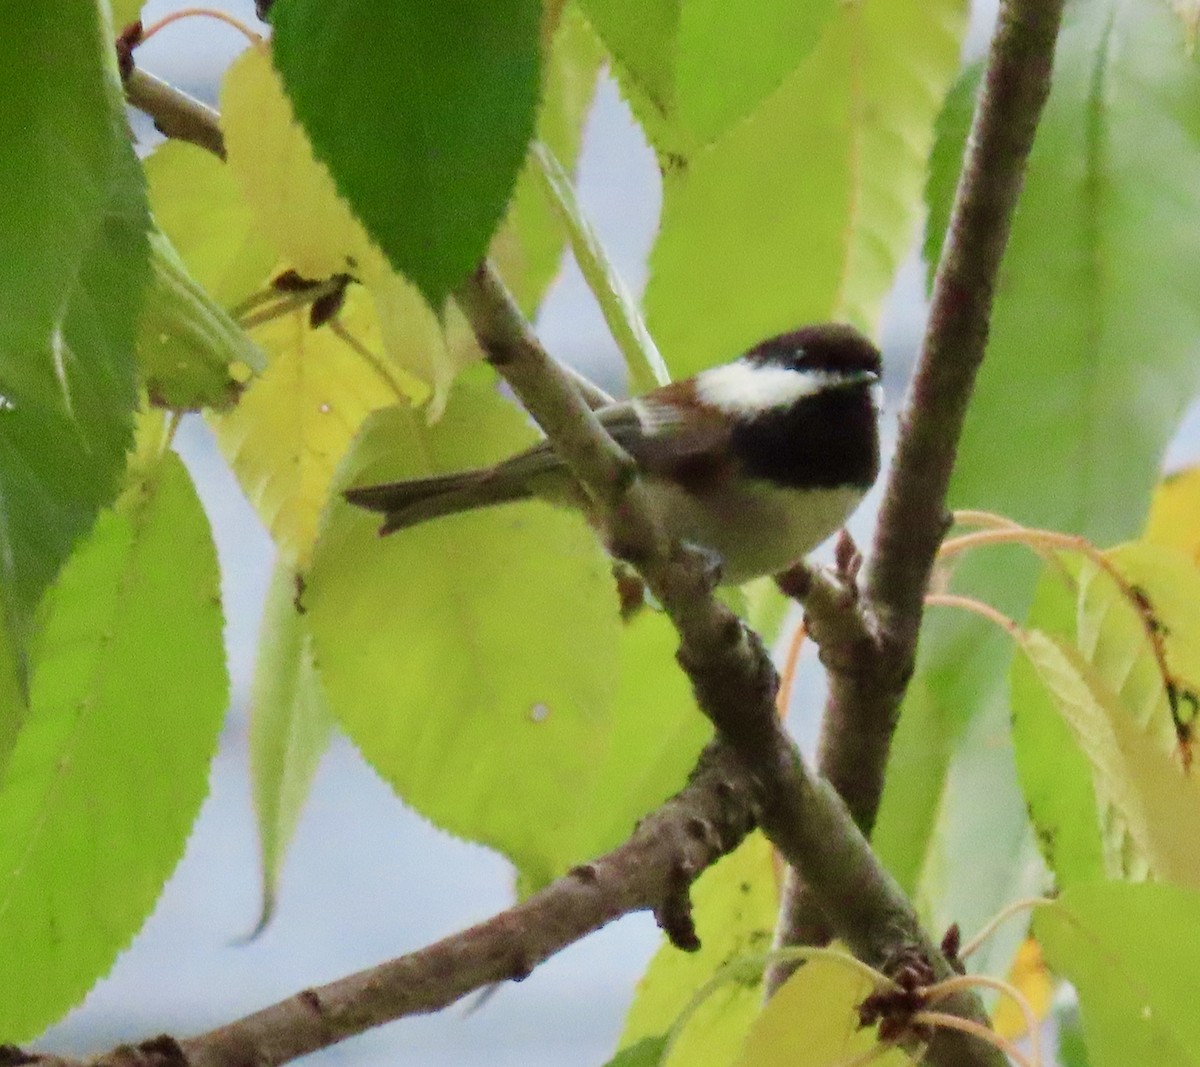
{"x":298,"y":207}
{"x":735,"y":904}
{"x":1032,"y":980}
{"x":198,"y":205}
{"x":293,"y":196}
{"x":1174,"y":520}
{"x":293,"y":425}
{"x":812,"y":1021}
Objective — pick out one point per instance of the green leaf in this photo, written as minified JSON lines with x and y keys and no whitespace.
{"x":527,"y":249}
{"x":983,"y":853}
{"x":297,"y":206}
{"x":645,"y":1053}
{"x":127,"y":694}
{"x":692,"y":68}
{"x":13,"y":695}
{"x":641,"y":38}
{"x":803,"y":210}
{"x":1129,"y":953}
{"x":125,"y":11}
{"x":1108,"y":780}
{"x":912,"y":795}
{"x":646,"y":367}
{"x":73,"y":260}
{"x":1072,"y":1049}
{"x":945,"y":161}
{"x":1149,"y":806}
{"x":1130,"y":646}
{"x":290,"y":727}
{"x":734,"y":905}
{"x":198,"y":205}
{"x":431,"y":172}
{"x":1101,"y":220}
{"x":472,"y":659}
{"x":812,"y":1021}
{"x":1094,"y":317}
{"x":729,"y":57}
{"x":639,"y":769}
{"x":192,"y":354}
{"x":766,"y":608}
{"x":1055,"y":777}
{"x":1103,"y":672}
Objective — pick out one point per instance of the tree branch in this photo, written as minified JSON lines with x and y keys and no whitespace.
{"x":175,"y":114}
{"x":735,"y":685}
{"x":653,"y":870}
{"x":866,"y":691}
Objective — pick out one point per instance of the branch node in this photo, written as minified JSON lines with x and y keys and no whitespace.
{"x":521,"y":967}
{"x":893,"y":1009}
{"x":674,"y":914}
{"x":127,"y":40}
{"x":952,"y":948}
{"x":847,"y":561}
{"x":311,"y":1000}
{"x":585,"y":873}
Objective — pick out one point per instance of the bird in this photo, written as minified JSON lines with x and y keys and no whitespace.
{"x":754,"y":462}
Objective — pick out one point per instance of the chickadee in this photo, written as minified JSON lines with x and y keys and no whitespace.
{"x":757,"y":461}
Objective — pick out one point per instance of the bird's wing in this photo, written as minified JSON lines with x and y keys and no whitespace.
{"x":692,"y":450}
{"x":652,"y":431}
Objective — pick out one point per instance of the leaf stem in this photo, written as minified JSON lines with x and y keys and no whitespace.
{"x":200,"y":12}
{"x":287,"y":303}
{"x":377,"y":363}
{"x":944,"y":1021}
{"x":642,"y":358}
{"x":1038,"y":540}
{"x":791,"y":662}
{"x":989,"y":519}
{"x":978,"y":607}
{"x":975,"y":981}
{"x":1002,"y":916}
{"x":757,"y":963}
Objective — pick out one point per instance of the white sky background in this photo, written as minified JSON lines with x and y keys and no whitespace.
{"x":367,"y":879}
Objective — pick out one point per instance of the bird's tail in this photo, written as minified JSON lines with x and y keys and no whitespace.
{"x":417,"y":500}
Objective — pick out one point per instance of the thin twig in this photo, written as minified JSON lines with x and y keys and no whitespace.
{"x":200,"y":12}
{"x":913,"y":514}
{"x":175,"y":114}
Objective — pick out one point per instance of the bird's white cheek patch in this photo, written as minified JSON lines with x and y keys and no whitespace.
{"x":742,"y":389}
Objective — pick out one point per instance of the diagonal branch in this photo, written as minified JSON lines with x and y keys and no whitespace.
{"x":731,"y":673}
{"x":865,"y":693}
{"x":176,"y":115}
{"x":653,"y":870}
